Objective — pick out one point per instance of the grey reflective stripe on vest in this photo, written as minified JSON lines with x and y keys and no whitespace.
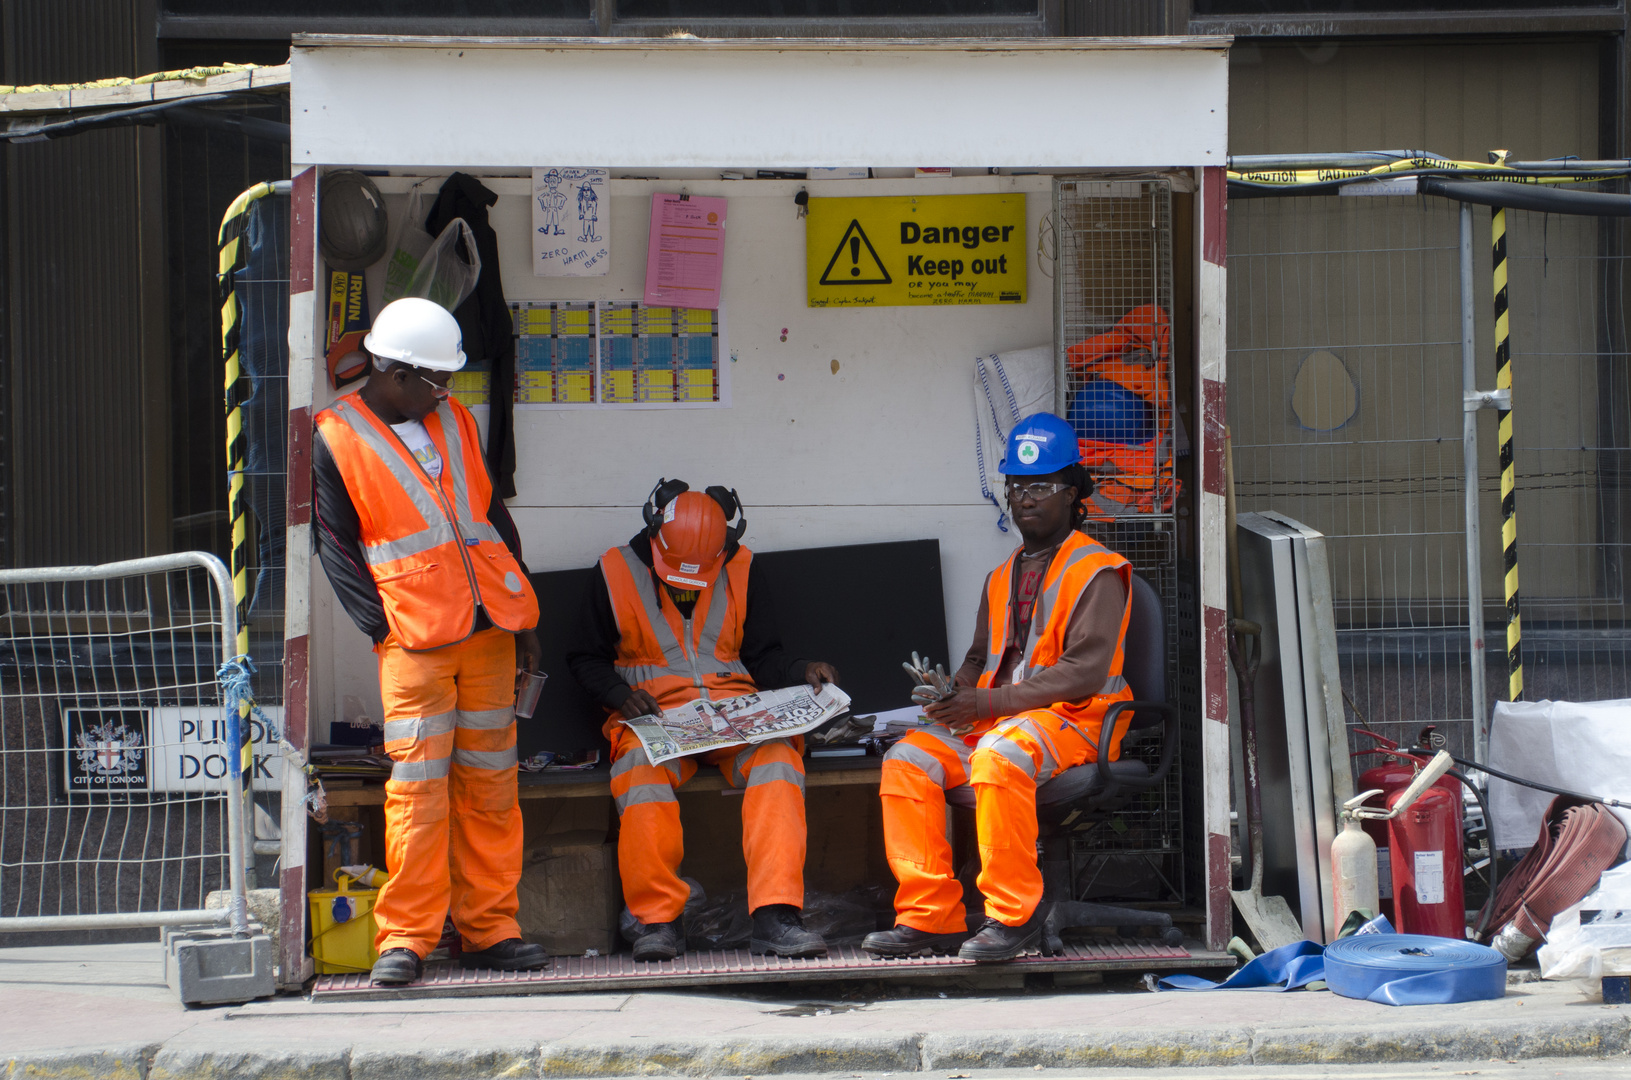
{"x":390,"y":451}
{"x":419,"y":727}
{"x":775,"y":770}
{"x":635,"y":674}
{"x":1050,"y":599}
{"x":925,"y":762}
{"x":673,"y":655}
{"x":484,"y":759}
{"x":454,"y":462}
{"x":712,"y":627}
{"x":677,"y":660}
{"x":428,"y":539}
{"x":486,"y":719}
{"x":421,"y":770}
{"x":412,"y":480}
{"x":1109,"y":507}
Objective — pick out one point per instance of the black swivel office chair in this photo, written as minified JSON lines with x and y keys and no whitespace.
{"x":1080,"y":798}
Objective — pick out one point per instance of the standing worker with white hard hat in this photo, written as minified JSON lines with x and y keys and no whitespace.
{"x":1044,"y":667}
{"x":671,"y":616}
{"x":426,"y":561}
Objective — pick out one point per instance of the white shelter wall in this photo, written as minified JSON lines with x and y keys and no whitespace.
{"x":880,"y":448}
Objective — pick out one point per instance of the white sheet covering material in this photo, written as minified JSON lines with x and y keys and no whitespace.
{"x":1602,"y":946}
{"x":1583,"y":746}
{"x":1008,"y":386}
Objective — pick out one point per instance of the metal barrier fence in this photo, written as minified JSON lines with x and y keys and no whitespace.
{"x":117,"y":805}
{"x":1346,"y":379}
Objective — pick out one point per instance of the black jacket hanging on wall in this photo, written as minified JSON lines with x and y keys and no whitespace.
{"x":484,"y":319}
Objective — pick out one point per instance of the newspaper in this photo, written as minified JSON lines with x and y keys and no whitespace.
{"x":700,"y":726}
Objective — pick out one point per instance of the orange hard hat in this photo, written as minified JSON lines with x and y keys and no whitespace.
{"x":690,"y":544}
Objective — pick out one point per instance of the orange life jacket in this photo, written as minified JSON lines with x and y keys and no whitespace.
{"x":670,"y":657}
{"x":1138,"y":478}
{"x":1077,"y":562}
{"x":431,"y":550}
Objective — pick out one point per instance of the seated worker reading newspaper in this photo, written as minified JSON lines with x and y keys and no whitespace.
{"x":672,"y":617}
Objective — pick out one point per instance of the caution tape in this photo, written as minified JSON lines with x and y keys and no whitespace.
{"x":1411,"y":166}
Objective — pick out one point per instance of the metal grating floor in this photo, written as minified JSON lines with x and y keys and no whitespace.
{"x":737,"y":966}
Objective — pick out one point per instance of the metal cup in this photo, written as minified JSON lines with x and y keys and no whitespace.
{"x":526,"y":701}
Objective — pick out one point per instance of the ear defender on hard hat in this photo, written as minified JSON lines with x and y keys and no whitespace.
{"x":688,"y":545}
{"x":662,"y":493}
{"x":731,"y":503}
{"x":1040,"y":444}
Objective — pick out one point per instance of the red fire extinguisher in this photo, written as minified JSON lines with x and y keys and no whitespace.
{"x":1424,"y":843}
{"x":1396,"y":772}
{"x":1423,"y":823}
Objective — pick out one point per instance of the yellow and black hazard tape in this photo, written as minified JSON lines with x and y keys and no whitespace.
{"x":1503,"y":419}
{"x":231,"y":258}
{"x":1421,"y":165}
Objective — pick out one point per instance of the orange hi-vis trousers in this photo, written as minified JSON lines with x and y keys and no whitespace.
{"x":452,"y":822}
{"x":1005,"y":767}
{"x":650,"y":842}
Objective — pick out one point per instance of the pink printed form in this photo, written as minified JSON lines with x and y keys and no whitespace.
{"x":685,"y":257}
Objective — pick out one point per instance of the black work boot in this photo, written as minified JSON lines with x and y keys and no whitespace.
{"x":777,"y":928}
{"x":661,"y":941}
{"x":996,"y":941}
{"x":511,"y":954}
{"x":906,"y":940}
{"x":395,"y":967}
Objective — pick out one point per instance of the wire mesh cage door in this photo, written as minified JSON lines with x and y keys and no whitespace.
{"x":1113,"y":286}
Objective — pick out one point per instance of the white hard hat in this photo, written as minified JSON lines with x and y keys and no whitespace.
{"x":418,"y":332}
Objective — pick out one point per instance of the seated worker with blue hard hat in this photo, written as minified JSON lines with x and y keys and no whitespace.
{"x":673,"y":615}
{"x":1044,"y":666}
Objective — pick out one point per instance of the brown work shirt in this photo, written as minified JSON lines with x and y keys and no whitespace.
{"x":1090,"y":643}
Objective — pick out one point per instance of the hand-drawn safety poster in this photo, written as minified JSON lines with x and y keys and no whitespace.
{"x":898,"y":251}
{"x":571,"y":222}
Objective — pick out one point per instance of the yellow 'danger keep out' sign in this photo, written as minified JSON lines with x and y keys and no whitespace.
{"x":916,"y":249}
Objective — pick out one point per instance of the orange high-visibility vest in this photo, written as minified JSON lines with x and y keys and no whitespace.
{"x":1078,"y":561}
{"x":431,"y":550}
{"x":1131,"y":479}
{"x":672,"y":658}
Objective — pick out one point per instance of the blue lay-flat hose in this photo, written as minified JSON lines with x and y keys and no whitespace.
{"x":1389,"y":969}
{"x":1413,"y":969}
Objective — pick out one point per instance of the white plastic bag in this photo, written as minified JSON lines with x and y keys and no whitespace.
{"x":409,"y":243}
{"x":1600,"y":947}
{"x":443,"y":275}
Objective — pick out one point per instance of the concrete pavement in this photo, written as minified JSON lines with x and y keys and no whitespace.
{"x":104,"y":1011}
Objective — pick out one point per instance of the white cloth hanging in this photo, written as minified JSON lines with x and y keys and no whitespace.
{"x":1008,"y":386}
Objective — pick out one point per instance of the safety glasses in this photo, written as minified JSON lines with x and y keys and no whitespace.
{"x":1035,"y":492}
{"x":442,"y":392}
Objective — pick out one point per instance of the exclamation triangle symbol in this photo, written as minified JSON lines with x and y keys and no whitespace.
{"x":855,"y":261}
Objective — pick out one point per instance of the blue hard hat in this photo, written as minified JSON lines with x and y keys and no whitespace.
{"x":1107,"y":411}
{"x":1040,"y":444}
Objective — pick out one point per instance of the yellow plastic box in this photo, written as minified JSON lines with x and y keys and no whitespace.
{"x":342,"y":927}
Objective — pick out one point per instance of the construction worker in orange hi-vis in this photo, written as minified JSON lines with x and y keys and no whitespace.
{"x":673,"y":615}
{"x":426,"y":561}
{"x":1026,"y":705}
